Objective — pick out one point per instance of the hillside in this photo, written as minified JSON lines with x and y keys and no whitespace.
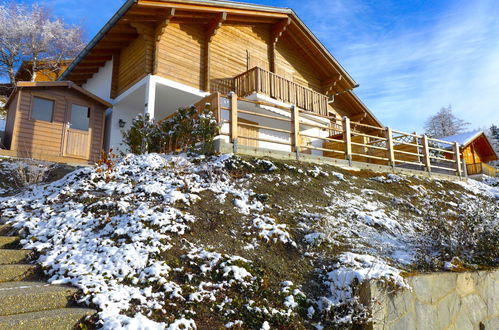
{"x":182,"y":242}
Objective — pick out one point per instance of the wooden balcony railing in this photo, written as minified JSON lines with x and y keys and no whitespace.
{"x":481,"y":168}
{"x":258,"y":80}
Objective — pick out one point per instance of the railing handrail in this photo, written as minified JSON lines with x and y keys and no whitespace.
{"x":259,"y":80}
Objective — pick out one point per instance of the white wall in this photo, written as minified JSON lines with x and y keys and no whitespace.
{"x":126,"y":109}
{"x":100,"y":83}
{"x":279,"y":124}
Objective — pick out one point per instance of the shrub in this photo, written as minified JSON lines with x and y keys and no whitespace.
{"x":139,"y":137}
{"x":472,"y":235}
{"x":182,"y":132}
{"x":29,"y":172}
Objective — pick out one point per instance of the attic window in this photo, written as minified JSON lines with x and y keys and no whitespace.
{"x":43,"y":109}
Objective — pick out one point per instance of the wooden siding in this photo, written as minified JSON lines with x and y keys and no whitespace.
{"x":180,"y":54}
{"x":232,"y":44}
{"x":9,"y":124}
{"x":251,"y":132}
{"x":291,"y":64}
{"x":131,"y":64}
{"x":38,"y":139}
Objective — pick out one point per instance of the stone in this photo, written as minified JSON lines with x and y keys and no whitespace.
{"x":465,"y":284}
{"x":57,"y":319}
{"x":430,"y":288}
{"x":441,"y":301}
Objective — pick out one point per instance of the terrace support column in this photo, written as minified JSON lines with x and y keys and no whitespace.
{"x":457,"y":158}
{"x":233,"y":120}
{"x":295,"y":130}
{"x":426,"y":153}
{"x":150,"y":97}
{"x":389,"y":147}
{"x":347,"y":139}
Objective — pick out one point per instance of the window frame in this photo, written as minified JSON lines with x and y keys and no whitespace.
{"x":32,"y":107}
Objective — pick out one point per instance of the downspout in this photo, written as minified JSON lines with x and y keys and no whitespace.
{"x":98,"y":37}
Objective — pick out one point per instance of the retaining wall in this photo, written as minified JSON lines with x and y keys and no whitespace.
{"x":439,"y":301}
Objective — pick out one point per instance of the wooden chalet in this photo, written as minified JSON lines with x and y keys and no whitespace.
{"x":270,"y":82}
{"x":476,"y":151}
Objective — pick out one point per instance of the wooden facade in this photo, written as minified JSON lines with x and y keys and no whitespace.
{"x":477,"y":151}
{"x":54,"y":139}
{"x":47,"y":70}
{"x":199,"y":44}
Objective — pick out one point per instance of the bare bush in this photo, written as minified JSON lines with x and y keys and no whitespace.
{"x":470,"y":235}
{"x":30,"y":172}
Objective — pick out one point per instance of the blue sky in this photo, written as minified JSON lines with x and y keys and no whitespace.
{"x":410,"y":57}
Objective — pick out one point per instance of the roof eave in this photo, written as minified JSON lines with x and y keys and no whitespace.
{"x":102,"y":32}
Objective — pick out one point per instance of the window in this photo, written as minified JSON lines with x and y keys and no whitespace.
{"x":43,"y":109}
{"x":80,"y":117}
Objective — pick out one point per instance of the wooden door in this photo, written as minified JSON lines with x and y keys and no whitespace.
{"x":248,"y":131}
{"x":77,"y":137}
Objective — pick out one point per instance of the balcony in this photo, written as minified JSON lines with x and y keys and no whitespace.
{"x":258,"y":80}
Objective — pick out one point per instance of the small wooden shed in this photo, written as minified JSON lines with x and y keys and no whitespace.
{"x":477,"y":151}
{"x":55,"y":121}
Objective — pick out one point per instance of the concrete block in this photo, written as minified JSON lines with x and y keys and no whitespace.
{"x":17,"y":272}
{"x":57,"y":319}
{"x":8,"y":257}
{"x":25,"y":297}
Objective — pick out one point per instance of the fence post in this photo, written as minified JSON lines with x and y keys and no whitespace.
{"x":389,"y":146}
{"x":465,"y":168}
{"x":347,"y":138}
{"x":457,"y":158}
{"x":295,"y":130}
{"x":426,"y":153}
{"x":233,"y":120}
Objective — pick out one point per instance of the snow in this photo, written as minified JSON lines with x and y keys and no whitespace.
{"x":105,"y":237}
{"x":120,"y":245}
{"x":463,"y":138}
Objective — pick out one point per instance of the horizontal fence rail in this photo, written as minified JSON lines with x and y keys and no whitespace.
{"x":334,"y":138}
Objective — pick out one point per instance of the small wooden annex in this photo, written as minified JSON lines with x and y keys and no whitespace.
{"x":55,"y":121}
{"x":476,"y":151}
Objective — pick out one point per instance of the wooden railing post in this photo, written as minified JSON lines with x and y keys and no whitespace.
{"x":389,"y":146}
{"x":233,"y":120}
{"x":295,"y":130}
{"x":347,"y":139}
{"x":457,"y":158}
{"x":426,"y":153}
{"x":465,"y":168}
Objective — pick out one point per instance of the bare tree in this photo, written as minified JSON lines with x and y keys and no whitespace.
{"x":12,"y":35}
{"x":444,"y":123}
{"x":31,"y":33}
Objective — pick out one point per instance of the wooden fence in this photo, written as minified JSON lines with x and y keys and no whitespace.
{"x":351,"y":140}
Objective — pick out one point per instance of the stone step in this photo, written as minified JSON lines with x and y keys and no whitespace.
{"x":17,"y":272}
{"x":5,"y":229}
{"x":26,"y":297}
{"x":8,"y":257}
{"x":56,"y":319}
{"x":7,"y":241}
